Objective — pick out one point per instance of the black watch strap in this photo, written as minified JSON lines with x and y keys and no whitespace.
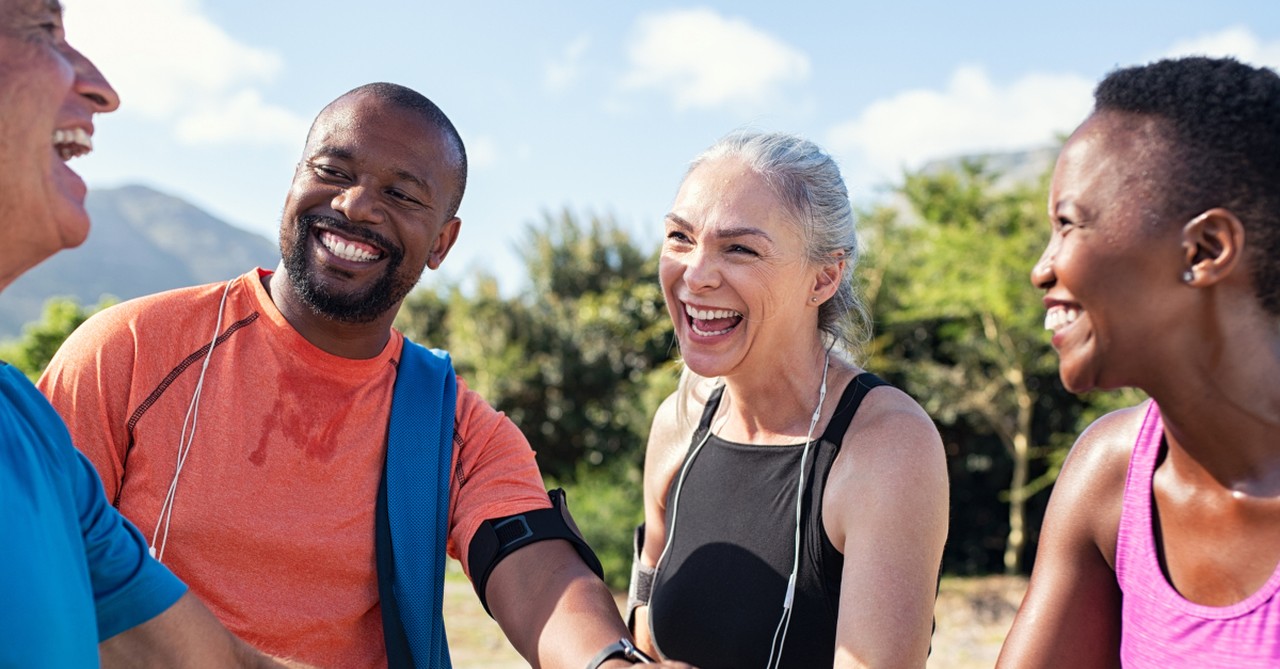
{"x":619,"y":650}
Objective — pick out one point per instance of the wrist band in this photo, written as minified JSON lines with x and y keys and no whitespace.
{"x":619,"y":650}
{"x":641,"y":581}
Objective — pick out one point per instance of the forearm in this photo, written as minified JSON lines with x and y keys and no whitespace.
{"x":185,"y":635}
{"x":644,"y":640}
{"x":552,"y":608}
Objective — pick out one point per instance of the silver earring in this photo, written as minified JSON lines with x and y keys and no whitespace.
{"x":1188,"y":276}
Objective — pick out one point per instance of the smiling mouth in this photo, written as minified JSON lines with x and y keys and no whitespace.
{"x":72,"y":142}
{"x":712,"y":322}
{"x":348,"y":249}
{"x":1060,"y":316}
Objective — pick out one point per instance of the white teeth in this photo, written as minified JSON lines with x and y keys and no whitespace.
{"x":345,"y":250}
{"x":710,"y":314}
{"x":704,"y":333}
{"x":1059,"y":317}
{"x":707,"y":315}
{"x":72,"y":142}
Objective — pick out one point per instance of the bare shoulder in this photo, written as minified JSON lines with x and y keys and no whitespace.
{"x":1070,"y":616}
{"x":1109,"y":440}
{"x":891,"y":459}
{"x":1091,"y":484}
{"x":669,"y":435}
{"x":892,"y":434}
{"x":666,"y":429}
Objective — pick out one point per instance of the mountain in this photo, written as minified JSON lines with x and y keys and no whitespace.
{"x":1011,"y":167}
{"x":141,"y":241}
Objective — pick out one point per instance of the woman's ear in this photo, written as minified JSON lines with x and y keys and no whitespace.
{"x":1213,"y":244}
{"x":827,"y":281}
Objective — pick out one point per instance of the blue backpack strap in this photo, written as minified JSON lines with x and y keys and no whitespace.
{"x":412,"y":516}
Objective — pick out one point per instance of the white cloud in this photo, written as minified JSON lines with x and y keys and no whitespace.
{"x":170,"y":62}
{"x":972,"y":115}
{"x":561,"y":72}
{"x":243,"y":116}
{"x":1239,"y":42}
{"x":703,"y":60}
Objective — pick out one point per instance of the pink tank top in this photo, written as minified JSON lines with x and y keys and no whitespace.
{"x":1161,"y":629}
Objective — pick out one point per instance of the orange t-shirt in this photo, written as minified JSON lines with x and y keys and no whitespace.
{"x":273,"y":517}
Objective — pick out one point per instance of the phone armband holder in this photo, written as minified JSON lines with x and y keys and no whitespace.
{"x":497,"y":538}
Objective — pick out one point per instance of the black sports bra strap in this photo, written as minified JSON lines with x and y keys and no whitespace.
{"x":708,"y":412}
{"x":848,"y":406}
{"x":710,"y":408}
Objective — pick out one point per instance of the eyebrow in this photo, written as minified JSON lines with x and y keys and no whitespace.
{"x":333,"y":152}
{"x":53,"y":6}
{"x":731,"y":232}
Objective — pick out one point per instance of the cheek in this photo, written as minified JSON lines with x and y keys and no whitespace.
{"x":669,"y":271}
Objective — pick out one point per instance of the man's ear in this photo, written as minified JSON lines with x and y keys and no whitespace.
{"x":444,"y":241}
{"x":1213,"y":244}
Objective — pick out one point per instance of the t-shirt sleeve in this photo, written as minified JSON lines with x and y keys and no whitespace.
{"x":494,"y":473}
{"x":88,"y":382}
{"x":129,"y":587}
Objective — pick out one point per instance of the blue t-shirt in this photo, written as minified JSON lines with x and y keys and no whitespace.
{"x":73,"y":571}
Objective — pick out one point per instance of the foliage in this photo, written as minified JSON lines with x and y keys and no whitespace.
{"x":32,"y":352}
{"x":607,"y":505}
{"x":962,"y":326}
{"x":580,"y":360}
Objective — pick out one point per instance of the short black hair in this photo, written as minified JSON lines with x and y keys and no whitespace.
{"x":408,"y":99}
{"x":1220,"y":119}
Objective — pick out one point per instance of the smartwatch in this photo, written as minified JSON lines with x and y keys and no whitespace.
{"x":619,"y":650}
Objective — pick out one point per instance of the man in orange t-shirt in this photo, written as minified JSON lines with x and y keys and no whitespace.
{"x":282,"y":426}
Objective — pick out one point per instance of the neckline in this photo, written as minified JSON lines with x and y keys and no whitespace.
{"x":1152,"y":433}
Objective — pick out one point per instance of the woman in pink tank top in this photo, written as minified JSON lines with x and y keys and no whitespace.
{"x":1161,"y":542}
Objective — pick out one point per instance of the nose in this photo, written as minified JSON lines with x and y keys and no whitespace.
{"x":91,"y":85}
{"x":359,"y":203}
{"x":701,"y":272}
{"x":1042,"y":275}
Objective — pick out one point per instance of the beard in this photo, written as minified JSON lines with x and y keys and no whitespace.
{"x":361,"y":306}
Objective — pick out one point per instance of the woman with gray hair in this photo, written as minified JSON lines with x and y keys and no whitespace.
{"x":795,"y":505}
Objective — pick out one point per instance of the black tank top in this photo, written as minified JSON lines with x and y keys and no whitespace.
{"x":717,"y":597}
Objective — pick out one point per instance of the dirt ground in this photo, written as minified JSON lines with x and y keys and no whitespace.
{"x":973,"y":617}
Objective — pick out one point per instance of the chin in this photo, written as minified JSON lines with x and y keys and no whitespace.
{"x":1074,"y":386}
{"x":706,"y":365}
{"x":72,"y":226}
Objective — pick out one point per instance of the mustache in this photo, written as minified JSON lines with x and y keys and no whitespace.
{"x":307,"y":221}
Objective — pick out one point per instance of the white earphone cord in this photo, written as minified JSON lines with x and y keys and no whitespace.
{"x":185,"y":439}
{"x":780,"y":634}
{"x":784,"y":623}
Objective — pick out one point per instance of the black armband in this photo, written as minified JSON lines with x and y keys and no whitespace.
{"x":497,"y":538}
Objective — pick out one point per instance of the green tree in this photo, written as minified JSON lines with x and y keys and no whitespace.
{"x":960,"y":321}
{"x":32,"y":352}
{"x":579,"y":360}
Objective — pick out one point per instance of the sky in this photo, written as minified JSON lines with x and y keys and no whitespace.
{"x":596,"y":108}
